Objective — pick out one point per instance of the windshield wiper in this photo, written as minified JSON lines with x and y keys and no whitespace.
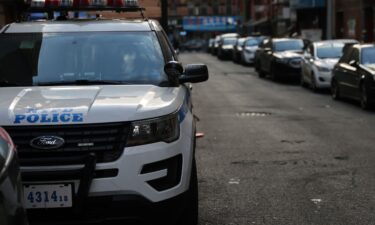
{"x":81,"y":82}
{"x":6,"y":83}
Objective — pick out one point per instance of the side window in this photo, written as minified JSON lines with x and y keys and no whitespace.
{"x":310,"y":50}
{"x":264,"y":43}
{"x":354,"y":56}
{"x":346,"y":57}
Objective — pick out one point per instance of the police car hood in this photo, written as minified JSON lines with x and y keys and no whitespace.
{"x":86,"y":104}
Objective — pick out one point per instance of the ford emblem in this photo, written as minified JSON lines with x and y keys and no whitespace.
{"x":47,"y":142}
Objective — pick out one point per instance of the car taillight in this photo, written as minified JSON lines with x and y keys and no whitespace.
{"x":6,"y":137}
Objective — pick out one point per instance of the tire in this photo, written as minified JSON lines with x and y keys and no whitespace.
{"x":313,"y":86}
{"x":364,"y":100}
{"x":335,"y":90}
{"x":273,"y":74}
{"x":261,"y":74}
{"x":190,"y":213}
{"x":302,"y":81}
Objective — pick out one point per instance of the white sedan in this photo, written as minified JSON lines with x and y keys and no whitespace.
{"x":320,"y":58}
{"x":249,"y":48}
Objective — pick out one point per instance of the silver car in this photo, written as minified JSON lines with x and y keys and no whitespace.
{"x":319,"y":59}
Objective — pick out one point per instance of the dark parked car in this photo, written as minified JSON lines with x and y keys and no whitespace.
{"x":215,"y":45}
{"x":280,"y":58}
{"x":226,"y":44}
{"x":194,"y":45}
{"x":354,"y":74}
{"x":11,"y":197}
{"x":237,"y":50}
{"x":210,"y":46}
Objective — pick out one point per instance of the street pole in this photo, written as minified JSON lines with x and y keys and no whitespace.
{"x":164,"y":14}
{"x":329,"y":19}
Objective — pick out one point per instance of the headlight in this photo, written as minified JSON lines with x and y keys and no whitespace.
{"x":323,"y":69}
{"x":281,"y":60}
{"x":163,"y":129}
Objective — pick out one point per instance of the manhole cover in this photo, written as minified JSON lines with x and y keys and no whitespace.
{"x":253,"y":114}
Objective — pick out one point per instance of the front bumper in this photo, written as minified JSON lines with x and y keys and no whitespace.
{"x":132,"y":209}
{"x":286,"y":71}
{"x":156,"y":173}
{"x":323,"y":79}
{"x":249,"y":57}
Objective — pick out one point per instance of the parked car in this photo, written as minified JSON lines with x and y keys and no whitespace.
{"x":319,"y":59}
{"x":238,"y":49}
{"x":354,"y":75}
{"x":280,"y":58}
{"x":11,"y":194}
{"x":210,"y":46}
{"x":226,"y":45}
{"x":216,"y":45}
{"x":194,"y":45}
{"x":250,"y":46}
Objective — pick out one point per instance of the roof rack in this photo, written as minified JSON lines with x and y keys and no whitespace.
{"x":50,"y":6}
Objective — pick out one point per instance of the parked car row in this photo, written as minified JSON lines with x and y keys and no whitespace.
{"x":344,"y":66}
{"x":233,"y":47}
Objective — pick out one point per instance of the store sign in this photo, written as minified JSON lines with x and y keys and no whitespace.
{"x":210,"y":23}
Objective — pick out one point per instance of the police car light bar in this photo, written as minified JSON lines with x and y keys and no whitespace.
{"x":84,"y":5}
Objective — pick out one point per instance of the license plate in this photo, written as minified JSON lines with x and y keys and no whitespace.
{"x":48,"y":196}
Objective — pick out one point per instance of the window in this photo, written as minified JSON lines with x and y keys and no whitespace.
{"x":329,"y":50}
{"x":368,"y":56}
{"x":291,"y":45}
{"x":129,"y":57}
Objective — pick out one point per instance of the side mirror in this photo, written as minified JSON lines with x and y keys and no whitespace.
{"x":268,"y":50}
{"x":173,"y":69}
{"x":194,"y":73}
{"x":353,"y":63}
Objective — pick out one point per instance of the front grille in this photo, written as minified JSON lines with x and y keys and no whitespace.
{"x":295,"y":63}
{"x":106,"y":141}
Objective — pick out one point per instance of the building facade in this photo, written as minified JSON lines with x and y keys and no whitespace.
{"x":354,"y":19}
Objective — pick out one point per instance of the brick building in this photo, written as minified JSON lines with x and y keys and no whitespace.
{"x":354,"y":19}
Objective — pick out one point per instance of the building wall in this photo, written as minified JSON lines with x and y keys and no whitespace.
{"x":355,"y":19}
{"x":153,"y":10}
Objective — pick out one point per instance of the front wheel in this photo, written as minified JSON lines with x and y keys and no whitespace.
{"x":365,"y":103}
{"x":335,"y":90}
{"x":314,"y":86}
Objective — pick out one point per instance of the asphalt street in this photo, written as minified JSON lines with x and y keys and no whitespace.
{"x":277,"y":153}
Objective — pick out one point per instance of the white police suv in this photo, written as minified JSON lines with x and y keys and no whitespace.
{"x":101,"y":117}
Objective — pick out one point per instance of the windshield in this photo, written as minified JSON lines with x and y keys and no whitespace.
{"x":368,"y":56}
{"x":292,"y":45}
{"x":36,"y":59}
{"x":251,"y":42}
{"x":332,"y":50}
{"x":240,"y":42}
{"x":229,"y":41}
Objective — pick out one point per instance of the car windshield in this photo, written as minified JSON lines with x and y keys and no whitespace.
{"x":252,"y":42}
{"x":291,"y":45}
{"x":229,"y":41}
{"x":329,"y":50}
{"x":368,"y":56}
{"x":53,"y":58}
{"x":240,"y":42}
